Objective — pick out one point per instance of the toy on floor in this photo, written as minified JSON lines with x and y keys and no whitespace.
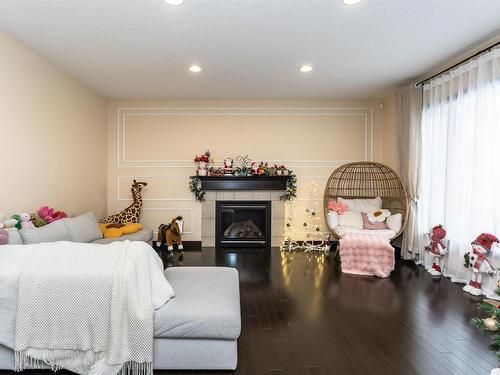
{"x":437,"y":249}
{"x":476,"y":259}
{"x":131,"y":214}
{"x":118,"y":230}
{"x":50,"y":215}
{"x":170,"y":233}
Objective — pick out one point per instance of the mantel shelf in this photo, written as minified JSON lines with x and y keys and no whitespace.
{"x":243,"y":182}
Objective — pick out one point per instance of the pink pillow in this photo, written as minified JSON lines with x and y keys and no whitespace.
{"x":367,"y":224}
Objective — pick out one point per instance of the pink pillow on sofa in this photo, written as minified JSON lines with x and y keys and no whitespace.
{"x":367,"y":224}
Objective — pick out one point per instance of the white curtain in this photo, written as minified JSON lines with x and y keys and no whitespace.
{"x":409,"y":105}
{"x":460,"y":174}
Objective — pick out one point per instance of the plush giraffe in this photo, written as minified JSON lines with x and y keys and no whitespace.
{"x":132,"y":213}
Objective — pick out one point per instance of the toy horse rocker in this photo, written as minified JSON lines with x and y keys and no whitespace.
{"x":437,"y":249}
{"x":170,"y":233}
{"x":476,"y":259}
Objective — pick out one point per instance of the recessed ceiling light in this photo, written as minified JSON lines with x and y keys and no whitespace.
{"x":194,"y":69}
{"x":351,"y":2}
{"x":305,"y":68}
{"x":174,"y":2}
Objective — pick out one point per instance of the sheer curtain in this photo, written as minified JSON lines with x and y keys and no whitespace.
{"x":460,"y":174}
{"x":409,"y":115}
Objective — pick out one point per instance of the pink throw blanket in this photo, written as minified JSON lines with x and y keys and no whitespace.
{"x":366,"y":254}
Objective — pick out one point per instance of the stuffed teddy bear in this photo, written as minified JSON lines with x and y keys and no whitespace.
{"x":476,"y":260}
{"x":437,"y":249}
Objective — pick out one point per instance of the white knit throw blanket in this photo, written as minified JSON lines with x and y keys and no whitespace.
{"x":87,"y":308}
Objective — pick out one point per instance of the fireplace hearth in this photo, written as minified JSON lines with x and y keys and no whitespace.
{"x":243,"y":224}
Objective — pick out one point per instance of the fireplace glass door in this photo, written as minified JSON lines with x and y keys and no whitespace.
{"x":243,"y":223}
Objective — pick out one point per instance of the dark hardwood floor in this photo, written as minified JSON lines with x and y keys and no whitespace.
{"x":301,"y":315}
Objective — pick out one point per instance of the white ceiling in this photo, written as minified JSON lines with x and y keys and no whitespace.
{"x":249,"y":49}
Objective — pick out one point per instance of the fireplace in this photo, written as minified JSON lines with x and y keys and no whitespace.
{"x":242,"y":224}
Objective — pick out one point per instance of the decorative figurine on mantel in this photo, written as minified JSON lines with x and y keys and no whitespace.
{"x":243,"y":168}
{"x":228,"y":167}
{"x":202,"y":161}
{"x":476,"y":259}
{"x":255,"y":169}
{"x":284,"y":170}
{"x":437,"y":249}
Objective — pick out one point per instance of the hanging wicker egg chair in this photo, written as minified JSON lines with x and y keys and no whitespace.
{"x":367,"y":179}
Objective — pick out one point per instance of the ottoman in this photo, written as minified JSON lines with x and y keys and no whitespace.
{"x":198,"y":329}
{"x":366,"y":254}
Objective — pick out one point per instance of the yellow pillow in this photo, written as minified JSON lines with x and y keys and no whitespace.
{"x":130,"y":228}
{"x":110,"y":232}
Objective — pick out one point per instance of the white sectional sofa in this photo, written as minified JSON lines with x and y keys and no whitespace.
{"x":196,"y":330}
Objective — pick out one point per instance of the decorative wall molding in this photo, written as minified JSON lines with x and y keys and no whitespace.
{"x":190,"y":210}
{"x":123,"y":112}
{"x":178,"y":178}
{"x":145,"y":178}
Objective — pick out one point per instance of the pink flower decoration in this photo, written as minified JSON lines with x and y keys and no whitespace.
{"x":338,"y":207}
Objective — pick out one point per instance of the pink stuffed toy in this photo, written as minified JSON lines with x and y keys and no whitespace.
{"x":338,"y":207}
{"x":49,"y":215}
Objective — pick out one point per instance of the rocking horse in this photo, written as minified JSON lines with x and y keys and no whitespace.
{"x":132,"y":213}
{"x":170,"y":233}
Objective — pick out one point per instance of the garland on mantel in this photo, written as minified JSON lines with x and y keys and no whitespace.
{"x":290,"y":192}
{"x":195,"y":188}
{"x":291,"y":188}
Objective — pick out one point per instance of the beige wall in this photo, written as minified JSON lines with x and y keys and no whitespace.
{"x":53,"y":133}
{"x":390,"y":151}
{"x":156,"y":141}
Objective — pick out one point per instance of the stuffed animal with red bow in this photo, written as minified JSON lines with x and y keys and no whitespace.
{"x":476,"y":259}
{"x":437,"y":249}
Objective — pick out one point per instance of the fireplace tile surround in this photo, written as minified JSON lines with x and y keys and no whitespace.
{"x":208,"y":211}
